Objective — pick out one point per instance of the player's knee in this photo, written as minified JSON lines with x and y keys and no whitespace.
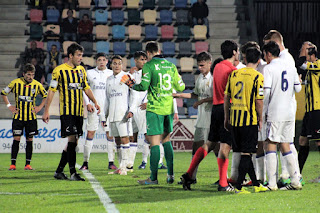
{"x":303,"y":141}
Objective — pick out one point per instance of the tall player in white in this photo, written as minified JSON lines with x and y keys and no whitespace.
{"x":97,"y":79}
{"x":117,"y":110}
{"x":280,"y":85}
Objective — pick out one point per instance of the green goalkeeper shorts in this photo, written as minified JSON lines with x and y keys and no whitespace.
{"x":158,"y":124}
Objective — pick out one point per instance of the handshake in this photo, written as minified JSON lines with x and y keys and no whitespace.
{"x":126,"y":79}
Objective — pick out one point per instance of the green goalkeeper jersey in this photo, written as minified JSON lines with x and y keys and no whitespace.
{"x":160,"y":77}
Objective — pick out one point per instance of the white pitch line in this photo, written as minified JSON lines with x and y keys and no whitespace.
{"x":103,"y":196}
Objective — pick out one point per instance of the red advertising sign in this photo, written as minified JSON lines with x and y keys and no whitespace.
{"x":181,"y":137}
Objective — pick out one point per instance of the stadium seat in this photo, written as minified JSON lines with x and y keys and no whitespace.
{"x":134,"y":32}
{"x":101,"y":16}
{"x":164,"y":4}
{"x":102,"y":32}
{"x":65,"y":15}
{"x":82,"y":12}
{"x":65,"y":46}
{"x":133,"y":4}
{"x":182,"y":112}
{"x":103,"y":47}
{"x":119,"y":48}
{"x":40,"y":44}
{"x":192,"y":2}
{"x":133,"y":17}
{"x":132,"y":62}
{"x":88,"y":47}
{"x":116,"y":4}
{"x":180,"y":4}
{"x":186,"y":64}
{"x":36,"y":16}
{"x":118,"y":32}
{"x":165,"y":17}
{"x":101,"y":4}
{"x":200,"y":32}
{"x":117,"y":17}
{"x":151,"y":32}
{"x":179,"y":102}
{"x":50,"y":43}
{"x":124,"y":63}
{"x":172,"y":60}
{"x":36,"y":31}
{"x":192,"y":112}
{"x":88,"y":61}
{"x":150,"y":16}
{"x":167,"y":32}
{"x":53,"y":15}
{"x":189,"y":102}
{"x":134,"y":47}
{"x":201,"y":46}
{"x":185,"y":48}
{"x":168,"y":48}
{"x":184,"y":32}
{"x":84,"y":4}
{"x":182,"y":17}
{"x":189,"y":81}
{"x":148,"y":4}
{"x":52,"y":32}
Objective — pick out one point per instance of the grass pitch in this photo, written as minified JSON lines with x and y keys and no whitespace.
{"x":38,"y":191}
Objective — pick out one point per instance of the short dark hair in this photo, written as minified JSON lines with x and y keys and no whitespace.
{"x":204,"y":56}
{"x":273,"y":35}
{"x":54,"y":45}
{"x":253,"y":55}
{"x":29,"y":67}
{"x":215,"y":62}
{"x":273,"y":48}
{"x":73,"y":48}
{"x":116,"y":57}
{"x":227,"y":48}
{"x":100,"y":55}
{"x":152,"y":47}
{"x":85,"y":15}
{"x":138,"y":54}
{"x":247,"y":45}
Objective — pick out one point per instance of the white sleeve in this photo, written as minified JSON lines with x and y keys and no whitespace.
{"x":297,"y":84}
{"x":133,"y":101}
{"x":175,"y":106}
{"x":106,"y":106}
{"x":304,"y":66}
{"x":267,"y":90}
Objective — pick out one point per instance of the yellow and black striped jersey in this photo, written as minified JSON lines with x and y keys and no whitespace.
{"x":312,"y":88}
{"x":70,"y":81}
{"x":244,"y":86}
{"x":25,"y":97}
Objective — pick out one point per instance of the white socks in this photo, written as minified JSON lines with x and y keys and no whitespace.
{"x":132,"y":153}
{"x":236,"y":156}
{"x":291,"y":166}
{"x":87,"y":147}
{"x":272,"y":168}
{"x":110,"y":150}
{"x":260,"y":168}
{"x":145,"y":151}
{"x":295,"y":155}
{"x":161,"y":153}
{"x":124,"y":156}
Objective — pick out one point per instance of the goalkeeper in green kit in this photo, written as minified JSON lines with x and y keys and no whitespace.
{"x":160,"y":77}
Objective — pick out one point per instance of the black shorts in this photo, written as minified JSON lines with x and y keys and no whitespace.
{"x":311,"y":125}
{"x":71,"y":125}
{"x":30,"y":128}
{"x":217,"y":131}
{"x":245,"y":139}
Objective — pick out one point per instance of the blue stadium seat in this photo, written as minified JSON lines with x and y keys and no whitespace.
{"x":36,"y":31}
{"x":182,"y":112}
{"x":50,"y":43}
{"x":117,"y":16}
{"x":165,"y":17}
{"x":118,"y":32}
{"x":184,"y":32}
{"x":133,"y":16}
{"x":172,"y":60}
{"x":192,"y":112}
{"x":182,"y":17}
{"x":185,"y":48}
{"x":192,"y":2}
{"x":88,"y":47}
{"x":53,"y":15}
{"x":168,"y":48}
{"x":180,"y":3}
{"x":103,"y":47}
{"x":151,"y":32}
{"x":135,"y":46}
{"x":132,"y":63}
{"x":101,"y":16}
{"x":188,"y":79}
{"x":162,"y":4}
{"x":119,"y":48}
{"x":101,"y":3}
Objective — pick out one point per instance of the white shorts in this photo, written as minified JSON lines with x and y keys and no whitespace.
{"x":281,"y":132}
{"x":201,"y":134}
{"x":262,"y":134}
{"x":93,"y":122}
{"x":121,"y":128}
{"x":139,"y":122}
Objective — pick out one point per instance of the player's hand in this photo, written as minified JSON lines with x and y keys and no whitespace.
{"x":13,"y":109}
{"x":97,"y":108}
{"x":129,"y":115}
{"x":176,"y":117}
{"x":176,"y":95}
{"x":300,"y":78}
{"x":227,"y":124}
{"x":46,"y":117}
{"x":143,"y":106}
{"x":126,"y":79}
{"x":133,"y":69}
{"x":197,"y":103}
{"x":36,"y":109}
{"x":90,"y":108}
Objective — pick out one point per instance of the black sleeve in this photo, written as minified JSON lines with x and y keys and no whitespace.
{"x":300,"y":61}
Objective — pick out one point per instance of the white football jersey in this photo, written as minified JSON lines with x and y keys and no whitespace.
{"x":286,"y":56}
{"x":203,"y":88}
{"x":137,"y":98}
{"x":117,"y":98}
{"x":97,"y":80}
{"x":281,"y":81}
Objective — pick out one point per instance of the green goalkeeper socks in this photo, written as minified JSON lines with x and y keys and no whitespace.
{"x":168,"y":154}
{"x":154,"y":160}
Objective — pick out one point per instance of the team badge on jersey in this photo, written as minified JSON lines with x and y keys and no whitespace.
{"x":33,"y":91}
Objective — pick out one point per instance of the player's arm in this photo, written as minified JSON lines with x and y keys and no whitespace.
{"x":46,"y":115}
{"x":259,"y":100}
{"x":266,"y":91}
{"x":226,"y":105}
{"x":297,"y":82}
{"x":178,"y":84}
{"x":259,"y":108}
{"x":4,"y":94}
{"x":202,"y":101}
{"x":145,"y":79}
{"x":44,"y":94}
{"x":90,"y":95}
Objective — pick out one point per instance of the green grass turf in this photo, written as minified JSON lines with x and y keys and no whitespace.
{"x":38,"y":191}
